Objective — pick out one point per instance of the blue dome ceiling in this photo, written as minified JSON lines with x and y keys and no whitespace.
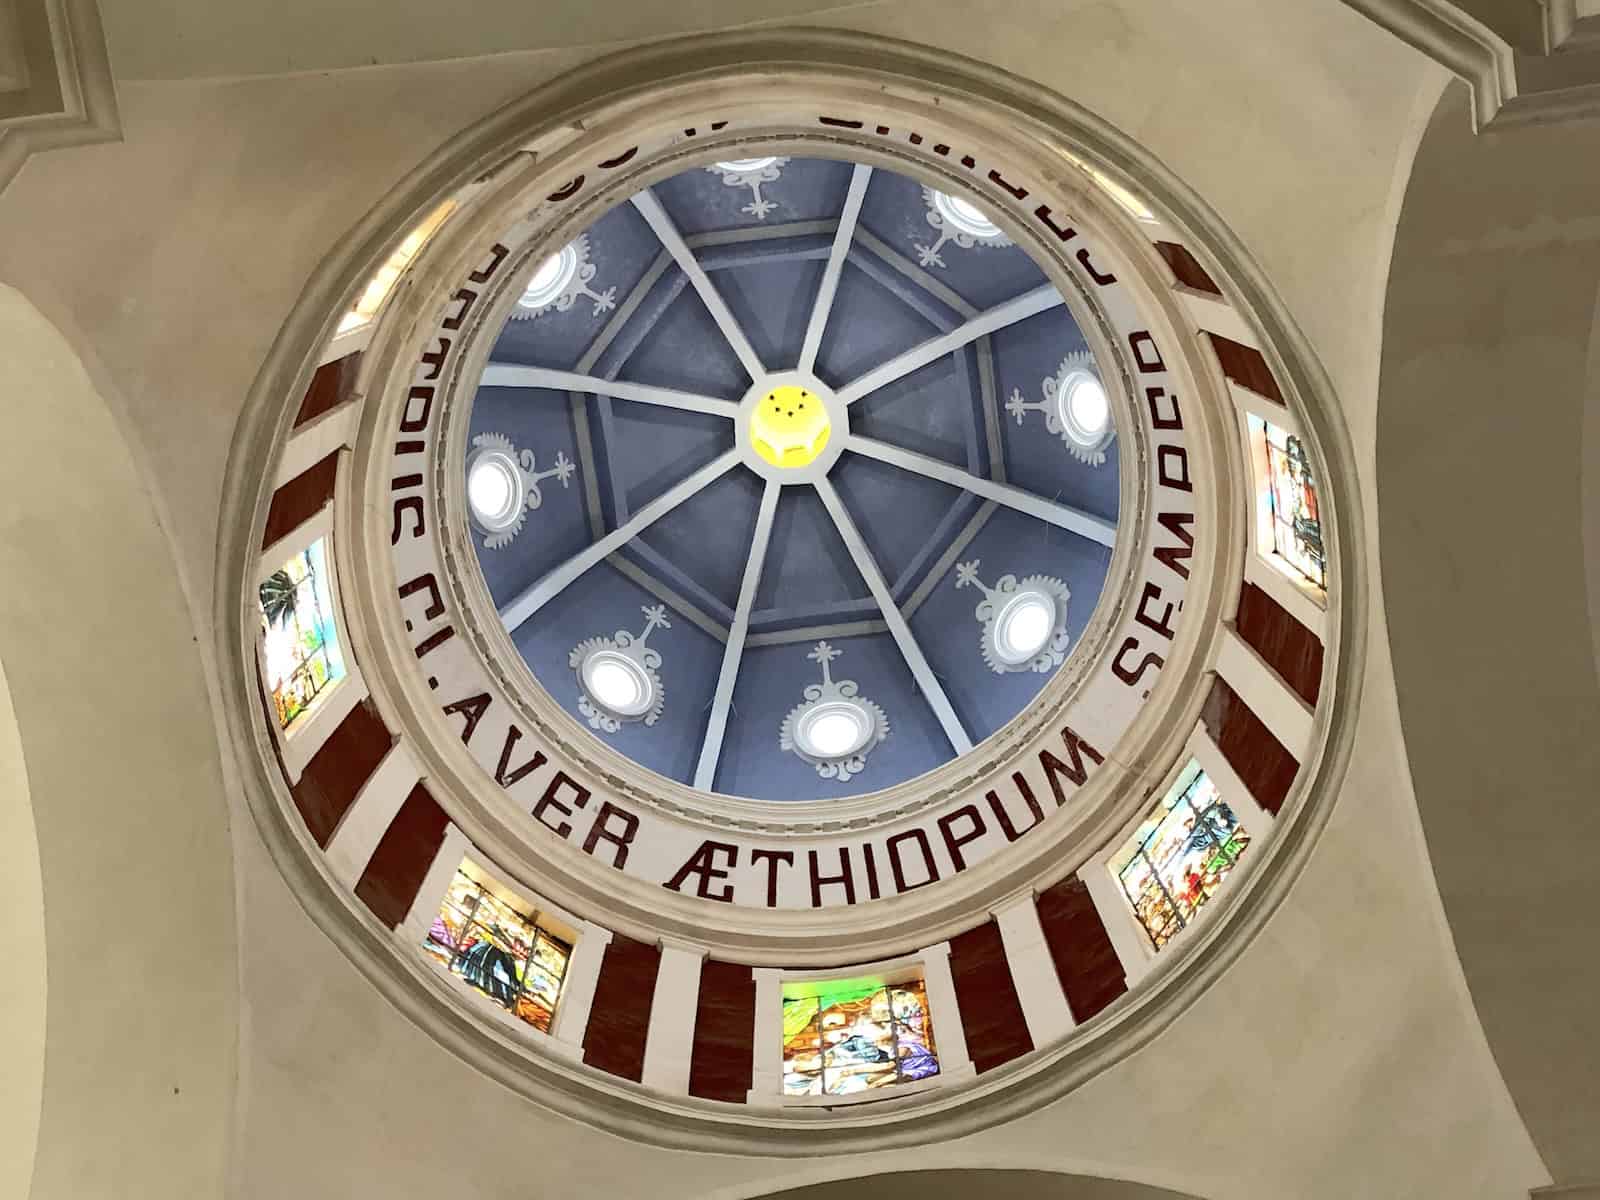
{"x":981,"y":482}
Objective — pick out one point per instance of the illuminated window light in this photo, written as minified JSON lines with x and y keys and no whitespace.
{"x":386,"y":276}
{"x":965,"y":216}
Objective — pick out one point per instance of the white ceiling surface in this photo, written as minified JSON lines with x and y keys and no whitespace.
{"x":1339,"y":1057}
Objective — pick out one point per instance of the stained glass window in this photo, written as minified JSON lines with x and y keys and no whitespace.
{"x":1292,"y":501}
{"x":301,"y":640}
{"x":856,"y":1035}
{"x":486,"y":934}
{"x":1178,"y":858}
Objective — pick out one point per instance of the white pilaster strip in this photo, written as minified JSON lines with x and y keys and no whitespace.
{"x":346,"y":343}
{"x":1213,"y":314}
{"x":425,"y":907}
{"x":1232,"y":790}
{"x":577,"y":988}
{"x":302,"y":537}
{"x":1266,"y":695}
{"x":547,"y":588}
{"x":1063,"y":516}
{"x":318,"y":438}
{"x":1019,"y":308}
{"x":1128,"y":937}
{"x":367,"y":819}
{"x":1289,"y":597}
{"x":670,"y":1038}
{"x":1258,"y":405}
{"x":672,"y":241}
{"x":513,"y":375}
{"x":1033,"y":971}
{"x":927,"y":683}
{"x":766,"y":1074}
{"x":944,"y":1010}
{"x":842,"y":237}
{"x":733,"y":651}
{"x":301,"y":741}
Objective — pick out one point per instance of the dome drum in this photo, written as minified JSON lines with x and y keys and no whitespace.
{"x":1150,"y":704}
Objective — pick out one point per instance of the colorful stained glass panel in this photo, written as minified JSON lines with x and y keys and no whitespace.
{"x":488,"y":936}
{"x":857,"y":1036}
{"x":300,"y":639}
{"x":1177,"y":859}
{"x":1292,"y":502}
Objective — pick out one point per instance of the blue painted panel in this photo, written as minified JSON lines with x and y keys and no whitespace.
{"x":948,"y":632}
{"x":933,"y":411}
{"x":807,"y":565}
{"x":681,"y":347}
{"x":772,"y":302}
{"x":898,"y":513}
{"x":649,"y":448}
{"x":772,"y":680}
{"x":807,"y":189}
{"x":867,"y":326}
{"x":707,"y":537}
{"x":599,"y":603}
{"x":621,"y":248}
{"x":1025,"y":355}
{"x":541,"y":421}
{"x":896,"y":213}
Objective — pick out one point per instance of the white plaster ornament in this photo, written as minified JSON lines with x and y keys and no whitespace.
{"x":560,"y":280}
{"x":617,"y":675}
{"x":1024,"y":624}
{"x":503,"y":486}
{"x":958,"y":221}
{"x":751,"y":173}
{"x":1075,"y":408}
{"x":835,"y":729}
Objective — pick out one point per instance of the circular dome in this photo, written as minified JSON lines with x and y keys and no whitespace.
{"x":551,"y":279}
{"x":965,"y":216}
{"x":1083,"y":408}
{"x":617,"y":683}
{"x":1024,"y":626}
{"x":494,"y":490}
{"x":742,"y":166}
{"x":784,"y":407}
{"x":993,"y":675}
{"x":835,"y":730}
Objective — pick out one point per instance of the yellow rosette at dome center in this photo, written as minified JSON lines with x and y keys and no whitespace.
{"x":790,"y":426}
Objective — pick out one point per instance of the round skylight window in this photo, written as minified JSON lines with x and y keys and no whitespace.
{"x":1082,"y":407}
{"x":554,"y":276}
{"x":1024,"y":626}
{"x":964,"y":216}
{"x":834,"y":730}
{"x":617,"y":684}
{"x":743,"y":166}
{"x":494,"y":489}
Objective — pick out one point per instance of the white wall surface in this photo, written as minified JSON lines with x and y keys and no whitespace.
{"x":1339,"y":1057}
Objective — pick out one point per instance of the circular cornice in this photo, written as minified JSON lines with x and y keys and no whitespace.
{"x":625,"y":86}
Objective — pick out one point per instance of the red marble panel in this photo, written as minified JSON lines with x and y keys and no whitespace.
{"x":405,"y":852}
{"x":620,"y":1018}
{"x":1246,"y":366}
{"x":1086,"y":963}
{"x":1288,"y":647}
{"x":332,"y":385}
{"x":336,"y":772}
{"x":1260,"y":760}
{"x":1186,"y":268}
{"x":720,"y":1060}
{"x":297,"y":501}
{"x":991,"y":1013}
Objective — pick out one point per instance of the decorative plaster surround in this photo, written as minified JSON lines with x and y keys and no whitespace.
{"x":55,"y":80}
{"x":547,"y":127}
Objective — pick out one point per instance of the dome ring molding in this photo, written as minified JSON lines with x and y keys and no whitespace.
{"x":1151,"y":735}
{"x":822,"y":60}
